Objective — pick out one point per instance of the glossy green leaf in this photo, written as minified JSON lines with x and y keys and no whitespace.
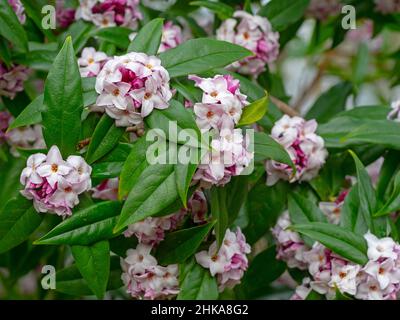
{"x":393,"y":203}
{"x":219,"y":212}
{"x":64,"y":102}
{"x":86,"y":226}
{"x":200,"y":55}
{"x":180,"y":245}
{"x":10,"y":27}
{"x":254,"y":111}
{"x":282,"y":13}
{"x":263,"y":270}
{"x":18,"y":220}
{"x":196,"y":282}
{"x":93,"y":263}
{"x":148,"y":38}
{"x":343,"y":242}
{"x":183,"y":177}
{"x":154,"y":191}
{"x":70,"y":281}
{"x":119,"y":36}
{"x":351,"y":216}
{"x":105,"y":137}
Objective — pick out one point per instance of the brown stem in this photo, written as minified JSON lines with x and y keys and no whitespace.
{"x":284,"y":107}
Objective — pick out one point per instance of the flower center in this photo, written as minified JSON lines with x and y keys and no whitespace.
{"x":214,"y":258}
{"x":246,"y":35}
{"x":54,"y":167}
{"x":149,"y":66}
{"x":147,"y":96}
{"x":68,"y":189}
{"x":90,"y":60}
{"x":342,"y":275}
{"x":210,"y":114}
{"x":381,"y":271}
{"x":214,"y":94}
{"x":140,"y":257}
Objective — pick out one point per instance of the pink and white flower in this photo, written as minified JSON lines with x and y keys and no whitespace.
{"x":303,"y":145}
{"x":19,"y":10}
{"x":145,"y":279}
{"x":197,"y":206}
{"x":324,"y":9}
{"x":106,"y":190}
{"x":394,"y":114}
{"x":91,"y":62}
{"x":151,"y":231}
{"x":54,"y":184}
{"x":12,"y":80}
{"x":254,"y":33}
{"x":110,"y":13}
{"x":332,"y":210}
{"x":229,"y":262}
{"x":65,"y":16}
{"x":131,"y":86}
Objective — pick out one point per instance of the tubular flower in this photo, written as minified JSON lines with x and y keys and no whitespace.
{"x":110,"y":13}
{"x":131,"y":86}
{"x":304,"y":146}
{"x":229,"y":262}
{"x":12,"y":79}
{"x":91,"y":62}
{"x":54,"y":184}
{"x":19,"y":10}
{"x":106,"y":190}
{"x":145,"y":279}
{"x":254,"y":33}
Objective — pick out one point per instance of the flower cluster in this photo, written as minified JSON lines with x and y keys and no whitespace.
{"x":131,"y":86}
{"x":197,"y":206}
{"x":220,"y":110}
{"x":65,"y":16}
{"x":151,"y":231}
{"x":28,"y":137}
{"x":91,"y":62}
{"x":19,"y":9}
{"x":332,"y":210}
{"x":290,"y":246}
{"x":304,"y":146}
{"x":378,"y":279}
{"x":324,"y":9}
{"x":387,"y":6}
{"x":106,"y":190}
{"x":229,"y":262}
{"x":54,"y":184}
{"x":145,"y":279}
{"x":110,"y":13}
{"x":171,"y":36}
{"x":12,"y":79}
{"x":254,"y":33}
{"x":394,"y":114}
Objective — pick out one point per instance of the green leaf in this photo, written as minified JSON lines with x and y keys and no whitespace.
{"x":263,"y":270}
{"x":10,"y":171}
{"x":351,"y":215}
{"x":343,"y":242}
{"x":303,"y":210}
{"x":330,"y":103}
{"x":390,"y":165}
{"x":70,"y":281}
{"x":254,"y":111}
{"x":119,"y":36}
{"x":200,"y":55}
{"x":64,"y":102}
{"x":176,"y":112}
{"x":148,"y":38}
{"x":133,"y":167}
{"x":385,"y":133}
{"x":196,"y":282}
{"x":187,"y":89}
{"x":80,"y":32}
{"x":31,"y":114}
{"x":10,"y":28}
{"x":219,"y":212}
{"x":222,"y":10}
{"x":267,"y":148}
{"x":282,"y":13}
{"x":361,"y":66}
{"x":180,"y":245}
{"x":93,"y":263}
{"x":393,"y":203}
{"x":105,"y":137}
{"x":236,"y":193}
{"x":18,"y":220}
{"x":154,"y":190}
{"x":86,"y":226}
{"x":183,"y":177}
{"x":366,"y":192}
